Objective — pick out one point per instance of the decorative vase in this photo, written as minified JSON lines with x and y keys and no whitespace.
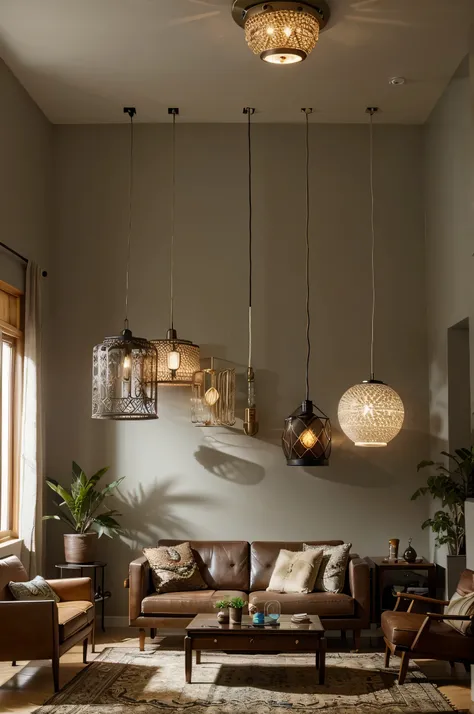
{"x":410,"y":554}
{"x":223,"y":617}
{"x":393,"y":544}
{"x":80,"y":548}
{"x":235,"y":615}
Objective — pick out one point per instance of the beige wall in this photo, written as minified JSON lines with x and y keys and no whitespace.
{"x":183,"y":481}
{"x":449,"y":248}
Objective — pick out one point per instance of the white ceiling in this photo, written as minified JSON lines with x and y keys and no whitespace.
{"x":83,"y":60}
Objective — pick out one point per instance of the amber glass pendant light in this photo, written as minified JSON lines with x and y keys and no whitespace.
{"x":178,"y":359}
{"x":124,"y":367}
{"x":306,"y":438}
{"x":371,"y":413}
{"x":250,"y":419}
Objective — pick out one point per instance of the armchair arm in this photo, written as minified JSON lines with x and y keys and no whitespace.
{"x":437,"y":616}
{"x":359,"y":584}
{"x":29,"y":629}
{"x":73,"y":589}
{"x":430,"y":617}
{"x":418,"y":599}
{"x":139,"y":585}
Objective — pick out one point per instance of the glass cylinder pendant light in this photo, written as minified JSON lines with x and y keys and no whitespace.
{"x":250,"y":419}
{"x":306,"y":438}
{"x":122,"y":365}
{"x":371,"y":413}
{"x":213,"y":396}
{"x":178,"y":359}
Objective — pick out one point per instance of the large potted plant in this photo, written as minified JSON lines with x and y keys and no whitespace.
{"x":452,"y":485}
{"x":79,"y":509}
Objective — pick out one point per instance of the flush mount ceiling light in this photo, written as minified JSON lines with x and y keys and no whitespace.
{"x":178,"y":359}
{"x":371,"y":413}
{"x":124,"y":367}
{"x":281,"y":32}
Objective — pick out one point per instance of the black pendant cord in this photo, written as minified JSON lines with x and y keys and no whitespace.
{"x":249,"y":111}
{"x":131,"y":111}
{"x":174,"y":112}
{"x":371,"y":111}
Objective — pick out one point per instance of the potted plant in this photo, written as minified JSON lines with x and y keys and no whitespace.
{"x":222,"y":607}
{"x":452,"y":486}
{"x":78,"y":508}
{"x":236,"y":605}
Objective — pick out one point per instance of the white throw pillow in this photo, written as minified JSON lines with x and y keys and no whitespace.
{"x":332,"y":573}
{"x":461,"y":605}
{"x":295,"y":572}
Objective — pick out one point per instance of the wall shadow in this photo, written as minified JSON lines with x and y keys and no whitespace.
{"x":229,"y":467}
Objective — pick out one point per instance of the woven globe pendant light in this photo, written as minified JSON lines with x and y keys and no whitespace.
{"x":306,"y":438}
{"x":124,"y":367}
{"x":178,"y":359}
{"x":371,"y":413}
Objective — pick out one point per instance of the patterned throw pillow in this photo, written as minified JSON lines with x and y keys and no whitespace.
{"x":461,"y":605}
{"x":295,"y":572}
{"x":36,"y":589}
{"x":173,"y":568}
{"x":332,"y":572}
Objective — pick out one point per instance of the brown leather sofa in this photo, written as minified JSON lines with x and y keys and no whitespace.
{"x":241,"y":569}
{"x":43,"y":629}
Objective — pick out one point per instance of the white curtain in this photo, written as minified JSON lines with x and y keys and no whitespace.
{"x":31,"y":454}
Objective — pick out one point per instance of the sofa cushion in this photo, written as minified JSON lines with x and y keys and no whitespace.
{"x":193,"y":602}
{"x":73,"y":616}
{"x":401,"y":628}
{"x":263,"y":555}
{"x":332,"y":573}
{"x":322,"y":604}
{"x":224,"y":565}
{"x":295,"y":571}
{"x":461,"y":605}
{"x":11,"y":568}
{"x":174,"y":568}
{"x":36,"y":589}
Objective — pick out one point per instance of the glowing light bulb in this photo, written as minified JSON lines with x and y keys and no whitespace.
{"x":287,"y":31}
{"x":308,"y":438}
{"x":126,"y":368}
{"x":211,"y":397}
{"x":174,"y":360}
{"x":270,"y":30}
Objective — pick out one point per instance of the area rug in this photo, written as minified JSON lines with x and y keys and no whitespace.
{"x":126,"y":681}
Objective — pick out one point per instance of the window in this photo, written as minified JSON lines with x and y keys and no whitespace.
{"x":11,"y":342}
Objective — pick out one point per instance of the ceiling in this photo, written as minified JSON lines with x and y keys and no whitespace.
{"x":83,"y":60}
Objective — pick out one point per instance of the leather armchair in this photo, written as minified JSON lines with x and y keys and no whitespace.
{"x":420,"y":633}
{"x":43,"y":629}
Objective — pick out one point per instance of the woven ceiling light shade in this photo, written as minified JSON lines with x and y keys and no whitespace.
{"x":371,"y":413}
{"x":281,"y":32}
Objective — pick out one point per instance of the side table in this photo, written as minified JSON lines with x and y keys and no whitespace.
{"x":380,"y":566}
{"x":99,"y":594}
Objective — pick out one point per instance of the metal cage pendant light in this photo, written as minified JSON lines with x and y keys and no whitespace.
{"x":306,"y":438}
{"x":213,"y":397}
{"x":124,"y":367}
{"x":178,"y":359}
{"x":371,"y":413}
{"x":250,"y":419}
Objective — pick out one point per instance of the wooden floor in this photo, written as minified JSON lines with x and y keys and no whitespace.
{"x":28,"y":685}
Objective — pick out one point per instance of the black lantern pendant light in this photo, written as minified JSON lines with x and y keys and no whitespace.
{"x":306,"y":438}
{"x":124,"y":367}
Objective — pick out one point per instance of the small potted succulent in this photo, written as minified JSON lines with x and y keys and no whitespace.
{"x":236,"y":605}
{"x":78,"y":508}
{"x":222,"y":607}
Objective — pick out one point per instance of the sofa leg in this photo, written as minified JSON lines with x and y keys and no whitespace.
{"x":153,"y":633}
{"x":55,"y":664}
{"x":467,"y":667}
{"x":14,"y":663}
{"x":387,"y":656}
{"x":343,"y":636}
{"x":403,"y":667}
{"x":84,"y":650}
{"x":141,"y":635}
{"x":356,"y":634}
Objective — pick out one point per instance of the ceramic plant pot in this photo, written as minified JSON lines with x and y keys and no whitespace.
{"x":235,"y":615}
{"x":80,"y":547}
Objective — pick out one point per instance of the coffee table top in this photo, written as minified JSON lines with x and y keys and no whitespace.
{"x":201,"y":623}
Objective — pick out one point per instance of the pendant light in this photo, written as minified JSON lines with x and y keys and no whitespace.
{"x":124,"y":367}
{"x":371,"y":413}
{"x":281,"y":32}
{"x":306,"y":438}
{"x":213,"y":397}
{"x":178,"y":359}
{"x":250,"y":420}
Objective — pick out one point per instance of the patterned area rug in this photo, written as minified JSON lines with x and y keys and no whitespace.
{"x":122,"y":681}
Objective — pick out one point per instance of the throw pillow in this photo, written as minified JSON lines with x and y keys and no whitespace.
{"x":174,"y":568}
{"x":461,"y":605}
{"x":332,"y":573}
{"x":295,"y":572}
{"x":36,"y":589}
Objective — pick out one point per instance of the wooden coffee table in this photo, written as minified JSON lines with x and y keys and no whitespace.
{"x":205,"y":633}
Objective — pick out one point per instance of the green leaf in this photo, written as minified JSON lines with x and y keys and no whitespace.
{"x":424,"y":464}
{"x":97,"y":476}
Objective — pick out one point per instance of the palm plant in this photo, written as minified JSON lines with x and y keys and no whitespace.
{"x":78,"y":508}
{"x":452,"y":486}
